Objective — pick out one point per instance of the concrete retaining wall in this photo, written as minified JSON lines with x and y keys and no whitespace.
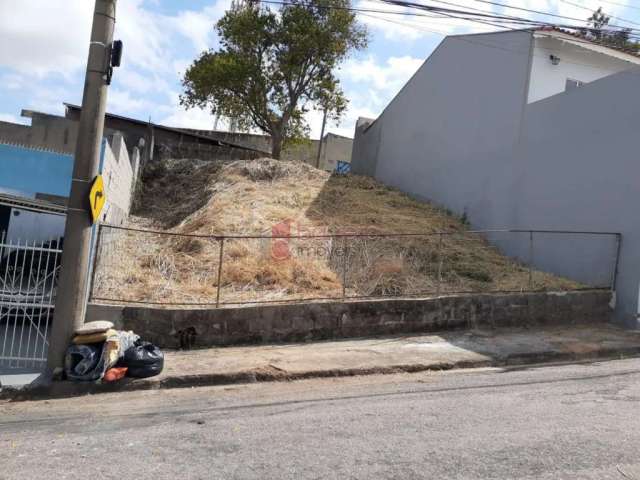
{"x":316,"y":321}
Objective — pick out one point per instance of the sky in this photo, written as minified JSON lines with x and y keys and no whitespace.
{"x":44,"y":45}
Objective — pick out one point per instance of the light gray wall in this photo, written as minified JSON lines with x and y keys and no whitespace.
{"x":454,"y":115}
{"x":460,"y":134}
{"x":364,"y":151}
{"x":578,"y":168}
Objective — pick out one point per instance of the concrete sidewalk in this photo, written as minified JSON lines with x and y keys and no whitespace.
{"x":459,"y":349}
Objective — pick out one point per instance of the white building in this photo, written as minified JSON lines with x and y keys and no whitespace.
{"x":561,"y":61}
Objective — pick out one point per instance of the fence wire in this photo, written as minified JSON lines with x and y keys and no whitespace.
{"x":134,"y":266}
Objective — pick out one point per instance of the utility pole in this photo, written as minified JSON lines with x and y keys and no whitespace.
{"x":324,"y":122}
{"x":72,"y":292}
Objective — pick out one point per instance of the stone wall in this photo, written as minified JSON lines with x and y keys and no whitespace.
{"x":171,"y":328}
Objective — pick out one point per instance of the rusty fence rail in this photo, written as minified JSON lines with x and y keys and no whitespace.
{"x":137,"y":266}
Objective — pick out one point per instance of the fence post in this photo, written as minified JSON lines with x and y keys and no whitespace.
{"x":616,"y":262}
{"x":344,"y":269}
{"x":530,"y":260}
{"x":440,"y":260}
{"x":219,"y":271}
{"x":96,"y":255}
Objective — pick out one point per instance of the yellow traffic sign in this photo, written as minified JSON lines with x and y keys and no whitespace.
{"x":97,"y":198}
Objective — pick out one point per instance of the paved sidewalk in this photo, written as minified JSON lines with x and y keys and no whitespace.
{"x":459,"y":349}
{"x":477,"y":348}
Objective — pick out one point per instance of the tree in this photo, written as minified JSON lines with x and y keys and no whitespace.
{"x":273,"y":66}
{"x":618,"y":37}
{"x":598,"y":21}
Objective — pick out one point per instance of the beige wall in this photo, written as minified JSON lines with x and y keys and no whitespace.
{"x":335,"y":148}
{"x":46,"y":131}
{"x":118,"y":175}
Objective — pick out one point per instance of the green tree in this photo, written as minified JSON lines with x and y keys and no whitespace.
{"x":619,"y":38}
{"x":598,"y":21}
{"x":273,"y":66}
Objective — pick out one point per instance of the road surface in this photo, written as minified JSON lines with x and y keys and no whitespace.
{"x":561,"y":422}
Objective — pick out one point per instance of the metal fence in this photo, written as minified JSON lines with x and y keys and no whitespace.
{"x":135,"y":266}
{"x":28,"y":279}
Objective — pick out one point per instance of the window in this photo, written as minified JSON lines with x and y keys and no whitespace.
{"x":571,"y":84}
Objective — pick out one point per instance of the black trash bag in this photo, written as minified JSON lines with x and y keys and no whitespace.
{"x":143,"y":360}
{"x":84,"y":362}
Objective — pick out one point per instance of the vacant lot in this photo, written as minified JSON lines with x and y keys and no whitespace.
{"x":271,"y":198}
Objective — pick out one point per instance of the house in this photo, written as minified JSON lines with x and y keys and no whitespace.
{"x":533,"y":129}
{"x":159,"y":141}
{"x":155,"y":140}
{"x":35,"y":183}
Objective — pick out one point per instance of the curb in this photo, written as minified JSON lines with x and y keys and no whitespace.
{"x":271,"y":374}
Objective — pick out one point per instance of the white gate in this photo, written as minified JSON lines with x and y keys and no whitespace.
{"x":28,"y":279}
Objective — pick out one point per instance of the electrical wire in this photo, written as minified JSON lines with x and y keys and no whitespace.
{"x":483,"y":13}
{"x":589,"y":10}
{"x":625,"y":5}
{"x":488,"y":19}
{"x":492,"y":16}
{"x":476,"y":42}
{"x":485,"y":18}
{"x":537,"y":12}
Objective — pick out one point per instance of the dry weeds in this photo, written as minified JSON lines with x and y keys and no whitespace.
{"x":250,"y":197}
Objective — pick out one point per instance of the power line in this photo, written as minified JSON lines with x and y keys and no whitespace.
{"x":589,"y":10}
{"x":489,"y":16}
{"x":485,"y":18}
{"x":413,"y":25}
{"x":537,"y":12}
{"x":476,"y":42}
{"x":625,"y":5}
{"x":503,"y":17}
{"x":434,"y":14}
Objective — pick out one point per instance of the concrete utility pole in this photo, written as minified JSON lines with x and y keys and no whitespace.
{"x":324,"y":123}
{"x":72,"y":290}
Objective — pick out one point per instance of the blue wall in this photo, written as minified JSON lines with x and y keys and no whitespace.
{"x":35,"y":171}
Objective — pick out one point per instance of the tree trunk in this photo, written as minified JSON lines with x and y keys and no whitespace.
{"x":276,"y":145}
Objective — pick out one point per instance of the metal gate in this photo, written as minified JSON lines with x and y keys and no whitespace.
{"x":28,"y":280}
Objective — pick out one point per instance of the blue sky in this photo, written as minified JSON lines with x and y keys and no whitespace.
{"x":43,"y":48}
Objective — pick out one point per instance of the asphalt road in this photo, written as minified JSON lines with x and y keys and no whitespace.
{"x":563,"y":422}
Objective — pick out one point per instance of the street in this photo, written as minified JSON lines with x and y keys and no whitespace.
{"x":570,"y":421}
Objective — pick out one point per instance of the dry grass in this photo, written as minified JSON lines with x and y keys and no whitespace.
{"x":250,"y":197}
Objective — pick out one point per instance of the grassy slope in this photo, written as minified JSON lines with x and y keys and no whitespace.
{"x":249,"y":198}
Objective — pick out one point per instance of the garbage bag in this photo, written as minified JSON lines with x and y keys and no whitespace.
{"x":127,"y":340}
{"x":143,"y":360}
{"x":84,"y":362}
